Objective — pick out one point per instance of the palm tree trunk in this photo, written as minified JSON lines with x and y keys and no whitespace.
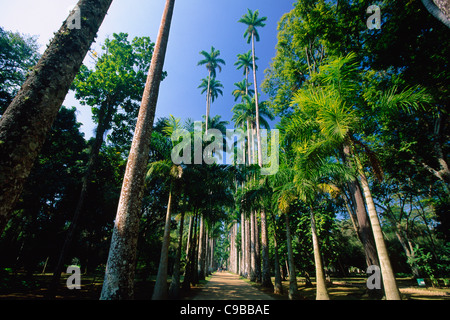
{"x":201,"y":246}
{"x":278,"y":289}
{"x":292,"y":277}
{"x":252,"y":247}
{"x":120,"y":270}
{"x":242,"y":263}
{"x":174,"y":290}
{"x":208,"y":107}
{"x":160,"y":290}
{"x":266,"y":282}
{"x":26,"y":121}
{"x":258,"y":134}
{"x":321,"y":288}
{"x":390,"y":285}
{"x":248,"y":237}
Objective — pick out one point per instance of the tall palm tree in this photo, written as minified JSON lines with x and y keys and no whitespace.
{"x":253,"y":21}
{"x":245,"y":61}
{"x":212,"y":62}
{"x":245,"y":113}
{"x":213,"y":88}
{"x":26,"y":121}
{"x":119,"y":276}
{"x":172,"y":173}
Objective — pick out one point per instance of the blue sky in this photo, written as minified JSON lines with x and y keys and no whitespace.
{"x":197,"y":25}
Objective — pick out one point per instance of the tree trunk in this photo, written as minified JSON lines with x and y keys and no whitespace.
{"x":248,"y":247}
{"x":252,"y":247}
{"x":321,"y":288}
{"x":25,"y":123}
{"x":201,"y":251}
{"x":242,"y":263}
{"x":258,"y":134}
{"x":208,"y":107}
{"x":436,"y":12}
{"x":120,"y":269}
{"x":292,"y":276}
{"x":160,"y":290}
{"x":174,"y":289}
{"x":364,"y":230}
{"x":266,"y":282}
{"x":390,"y":285}
{"x":278,"y":289}
{"x":257,"y":249}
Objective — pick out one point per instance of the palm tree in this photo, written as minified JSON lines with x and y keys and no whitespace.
{"x":252,"y":20}
{"x":246,"y":61}
{"x":120,"y":270}
{"x":242,"y":90}
{"x":26,"y":121}
{"x":212,"y":62}
{"x":212,"y":87}
{"x":328,"y":107}
{"x":173,"y":173}
{"x":245,"y":113}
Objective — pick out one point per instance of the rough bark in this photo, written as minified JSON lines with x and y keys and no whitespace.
{"x":25,"y":123}
{"x":120,"y":269}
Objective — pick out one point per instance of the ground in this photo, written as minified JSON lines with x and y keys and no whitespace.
{"x":219,"y":286}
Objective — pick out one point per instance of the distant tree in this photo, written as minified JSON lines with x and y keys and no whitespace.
{"x":18,"y":53}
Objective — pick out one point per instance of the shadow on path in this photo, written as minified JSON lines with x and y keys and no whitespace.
{"x":227,"y":286}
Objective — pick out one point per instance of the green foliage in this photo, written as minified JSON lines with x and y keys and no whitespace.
{"x":18,"y":54}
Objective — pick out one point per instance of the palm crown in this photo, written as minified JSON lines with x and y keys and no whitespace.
{"x":211,"y":61}
{"x":252,"y":20}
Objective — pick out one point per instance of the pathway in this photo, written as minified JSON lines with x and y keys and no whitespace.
{"x":227,"y":286}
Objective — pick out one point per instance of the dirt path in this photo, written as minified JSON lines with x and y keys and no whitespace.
{"x":227,"y":286}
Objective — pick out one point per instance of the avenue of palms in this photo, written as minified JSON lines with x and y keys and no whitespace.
{"x":362,"y":177}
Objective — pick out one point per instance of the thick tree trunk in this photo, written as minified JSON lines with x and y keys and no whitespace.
{"x":160,"y":290}
{"x":25,"y":123}
{"x":364,"y":227}
{"x":321,"y":288}
{"x":120,"y":269}
{"x":266,"y":282}
{"x":292,"y":276}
